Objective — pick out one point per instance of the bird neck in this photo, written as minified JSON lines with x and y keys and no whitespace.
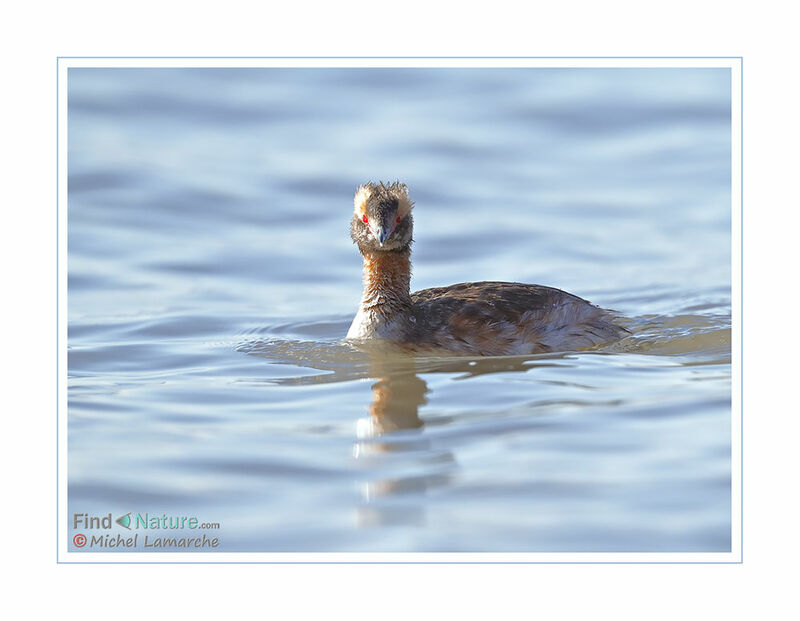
{"x":387,"y":278}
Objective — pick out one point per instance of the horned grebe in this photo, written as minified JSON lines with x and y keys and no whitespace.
{"x":477,"y":318}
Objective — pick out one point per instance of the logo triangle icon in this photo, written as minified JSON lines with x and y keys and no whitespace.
{"x":125,"y":521}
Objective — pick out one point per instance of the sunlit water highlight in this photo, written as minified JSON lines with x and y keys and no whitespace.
{"x":211,"y":281}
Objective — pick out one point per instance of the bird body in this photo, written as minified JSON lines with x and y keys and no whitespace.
{"x":479,"y":318}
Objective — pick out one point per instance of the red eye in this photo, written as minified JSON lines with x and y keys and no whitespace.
{"x":398,"y":219}
{"x":365,"y":219}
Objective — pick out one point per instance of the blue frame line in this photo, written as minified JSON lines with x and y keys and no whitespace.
{"x":741,"y":315}
{"x":58,"y":374}
{"x":741,"y":307}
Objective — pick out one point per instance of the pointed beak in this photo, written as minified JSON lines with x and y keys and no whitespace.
{"x":382,"y":233}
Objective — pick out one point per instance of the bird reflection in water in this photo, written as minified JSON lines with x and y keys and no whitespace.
{"x":395,"y":404}
{"x":401,"y":465}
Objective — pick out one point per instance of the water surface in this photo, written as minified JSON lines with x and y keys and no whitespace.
{"x":212,"y":279}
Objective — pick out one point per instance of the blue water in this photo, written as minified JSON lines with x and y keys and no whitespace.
{"x":212,"y":278}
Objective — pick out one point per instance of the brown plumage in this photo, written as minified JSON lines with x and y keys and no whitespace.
{"x":481,"y":318}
